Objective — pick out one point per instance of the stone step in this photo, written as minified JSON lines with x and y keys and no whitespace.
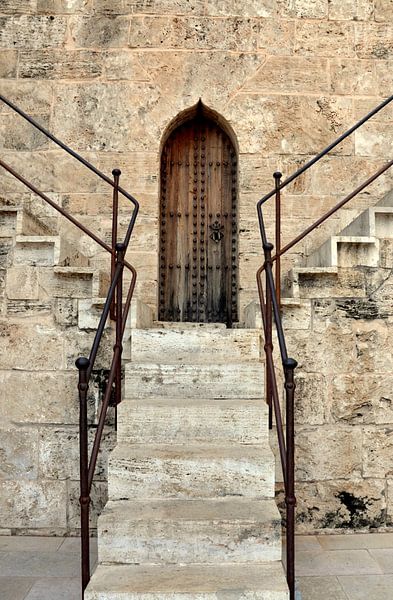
{"x":8,"y":217}
{"x":229,"y":380}
{"x":190,"y":531}
{"x":36,"y":250}
{"x":183,"y":421}
{"x":187,"y":325}
{"x":263,"y":581}
{"x":346,"y":251}
{"x":204,"y":471}
{"x":195,"y":345}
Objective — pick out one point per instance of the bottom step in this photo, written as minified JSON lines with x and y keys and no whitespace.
{"x":264,"y":581}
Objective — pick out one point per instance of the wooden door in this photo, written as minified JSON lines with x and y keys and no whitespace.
{"x":198,"y":231}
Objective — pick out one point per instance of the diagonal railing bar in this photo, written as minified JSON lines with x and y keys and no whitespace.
{"x":270,"y":300}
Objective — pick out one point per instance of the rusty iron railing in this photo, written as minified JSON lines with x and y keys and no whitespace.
{"x":114,"y":308}
{"x":270,"y":303}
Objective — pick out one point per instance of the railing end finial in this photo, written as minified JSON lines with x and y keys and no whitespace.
{"x":116,"y":172}
{"x":268,"y":246}
{"x":82,"y":363}
{"x":290,"y":363}
{"x":277,"y":175}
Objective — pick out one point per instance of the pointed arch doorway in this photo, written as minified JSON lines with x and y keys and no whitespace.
{"x":198,"y":224}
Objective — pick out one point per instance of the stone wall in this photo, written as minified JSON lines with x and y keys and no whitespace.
{"x":109,"y":77}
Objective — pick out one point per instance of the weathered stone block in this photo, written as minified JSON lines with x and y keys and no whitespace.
{"x":165,"y":7}
{"x":317,"y":9}
{"x":193,"y":33}
{"x":374,"y":40}
{"x":378,"y":452}
{"x":389,"y":515}
{"x":253,"y":8}
{"x":14,"y":7}
{"x":384,"y":76}
{"x":347,"y":504}
{"x":22,"y":283}
{"x":33,"y":504}
{"x":383,"y":10}
{"x":99,"y":497}
{"x":8,"y":63}
{"x":373,"y":139}
{"x":60,"y":64}
{"x":335,"y":454}
{"x":276,"y":36}
{"x":371,"y":337}
{"x":124,"y":64}
{"x":35,"y":347}
{"x":288,"y":124}
{"x":62,"y":6}
{"x":348,"y":10}
{"x":18,"y":449}
{"x":33,"y":97}
{"x":99,"y":31}
{"x":323,"y":38}
{"x":362,"y":398}
{"x":353,"y":76}
{"x":311,"y":399}
{"x":32,"y":31}
{"x":18,"y":135}
{"x":55,"y":397}
{"x":290,"y":74}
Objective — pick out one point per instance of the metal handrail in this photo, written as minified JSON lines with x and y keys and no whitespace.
{"x":114,"y":308}
{"x":270,"y":303}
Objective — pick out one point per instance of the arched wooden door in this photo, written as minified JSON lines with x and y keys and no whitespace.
{"x":198,"y":231}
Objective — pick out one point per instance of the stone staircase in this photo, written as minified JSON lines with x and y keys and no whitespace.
{"x":191,"y":509}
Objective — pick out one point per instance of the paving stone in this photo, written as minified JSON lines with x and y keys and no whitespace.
{"x":25,"y":543}
{"x":61,"y":588}
{"x":312,"y":588}
{"x":354,"y":542}
{"x":365,"y":587}
{"x":384,"y":557}
{"x":337,"y":562}
{"x":15,"y":588}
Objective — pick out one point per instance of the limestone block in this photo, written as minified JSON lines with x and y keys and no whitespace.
{"x":18,"y":135}
{"x":276,"y":36}
{"x":349,"y":172}
{"x":377,"y":452}
{"x":119,"y":115}
{"x":39,"y":397}
{"x":385,"y":261}
{"x":65,"y":311}
{"x":219,"y":75}
{"x":22,"y":283}
{"x":297,"y":317}
{"x":374,"y":40}
{"x":384,"y":77}
{"x":348,"y":10}
{"x":318,"y":353}
{"x":60,"y":64}
{"x":62,"y":285}
{"x":353,"y":76}
{"x":33,"y":97}
{"x":99,"y":31}
{"x":350,"y":504}
{"x":335,"y":453}
{"x":99,"y":498}
{"x":18,"y":449}
{"x":194,"y":33}
{"x":33,"y":504}
{"x":109,"y":7}
{"x":389,"y":515}
{"x":139,"y":175}
{"x":79,"y":343}
{"x":124,"y":64}
{"x":62,"y":6}
{"x":190,"y":472}
{"x":33,"y":347}
{"x":58,"y":453}
{"x":13,"y":7}
{"x":290,"y":74}
{"x":383,"y":10}
{"x":373,"y":140}
{"x":167,"y":7}
{"x":371,"y":337}
{"x":322,"y":38}
{"x":8,"y":62}
{"x":362,"y":398}
{"x":364,"y":105}
{"x":253,"y":8}
{"x":288,"y":124}
{"x":191,"y":531}
{"x":347,"y":282}
{"x":311,"y":398}
{"x":304,"y":9}
{"x":32,"y":31}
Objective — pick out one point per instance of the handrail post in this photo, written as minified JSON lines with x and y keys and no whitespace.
{"x":120,"y":252}
{"x":290,"y":500}
{"x":277,"y":182}
{"x":115,"y":211}
{"x":269,"y":332}
{"x":82,"y":365}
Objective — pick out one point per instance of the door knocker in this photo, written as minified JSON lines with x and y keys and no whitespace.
{"x":217,"y":232}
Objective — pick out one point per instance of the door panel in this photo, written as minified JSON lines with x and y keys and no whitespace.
{"x":198,"y":231}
